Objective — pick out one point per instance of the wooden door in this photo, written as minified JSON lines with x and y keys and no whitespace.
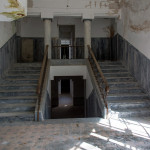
{"x":27,"y":50}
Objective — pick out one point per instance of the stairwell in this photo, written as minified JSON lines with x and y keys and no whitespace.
{"x":126,"y":98}
{"x":18,"y":92}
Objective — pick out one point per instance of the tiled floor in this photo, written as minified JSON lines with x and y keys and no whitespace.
{"x":76,"y":134}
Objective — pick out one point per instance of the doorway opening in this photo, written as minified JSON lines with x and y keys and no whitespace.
{"x":68,"y":97}
{"x":67,"y":36}
{"x":65,"y":92}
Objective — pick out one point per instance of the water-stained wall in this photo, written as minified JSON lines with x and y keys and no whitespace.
{"x":134,"y":25}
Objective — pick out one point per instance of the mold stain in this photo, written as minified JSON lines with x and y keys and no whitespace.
{"x":13,"y":4}
{"x":14,"y":14}
{"x":110,"y":31}
{"x":145,"y":26}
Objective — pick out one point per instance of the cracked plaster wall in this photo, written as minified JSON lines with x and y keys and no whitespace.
{"x":134,"y":25}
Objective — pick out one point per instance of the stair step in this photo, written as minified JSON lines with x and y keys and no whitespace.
{"x":120,"y":79}
{"x":123,"y":84}
{"x":17,"y":93}
{"x":17,"y":86}
{"x":117,"y":104}
{"x":17,"y":116}
{"x":31,"y":68}
{"x":120,"y":74}
{"x":129,"y":96}
{"x":34,"y":64}
{"x":19,"y":81}
{"x":109,"y":62}
{"x":125,"y":90}
{"x":23,"y":76}
{"x":134,"y":112}
{"x":24,"y":71}
{"x":17,"y":107}
{"x":18,"y":99}
{"x":114,"y":70}
{"x":112,"y":67}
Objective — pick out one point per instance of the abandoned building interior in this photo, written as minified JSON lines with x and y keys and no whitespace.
{"x":74,"y":75}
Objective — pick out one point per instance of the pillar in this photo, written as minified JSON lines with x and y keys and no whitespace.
{"x":47,"y":35}
{"x":87,"y":36}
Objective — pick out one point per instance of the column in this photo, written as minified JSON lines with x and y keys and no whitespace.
{"x":87,"y":36}
{"x":47,"y":35}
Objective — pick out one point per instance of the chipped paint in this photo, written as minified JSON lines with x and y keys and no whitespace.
{"x":14,"y":14}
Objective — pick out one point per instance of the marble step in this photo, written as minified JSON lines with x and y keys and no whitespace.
{"x":117,"y":104}
{"x":109,"y":62}
{"x":112,"y":67}
{"x":127,"y":96}
{"x":120,"y":74}
{"x":23,"y":76}
{"x":132,"y":112}
{"x":30,"y":68}
{"x":17,"y":92}
{"x":114,"y":90}
{"x":17,"y":86}
{"x":17,"y":116}
{"x":36,"y":64}
{"x":19,"y":81}
{"x":17,"y":107}
{"x":114,"y":70}
{"x":111,"y":71}
{"x":18,"y":99}
{"x":123,"y":84}
{"x":120,"y":79}
{"x":24,"y":72}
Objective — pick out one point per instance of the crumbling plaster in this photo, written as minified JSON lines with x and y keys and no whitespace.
{"x":134,"y":24}
{"x":7,"y":30}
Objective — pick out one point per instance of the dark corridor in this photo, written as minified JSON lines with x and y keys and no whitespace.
{"x":70,"y":102}
{"x":65,"y":86}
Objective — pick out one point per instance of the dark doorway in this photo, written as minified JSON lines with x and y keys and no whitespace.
{"x":65,"y":52}
{"x":68,"y":97}
{"x":65,"y":86}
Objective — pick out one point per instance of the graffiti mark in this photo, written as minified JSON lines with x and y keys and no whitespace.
{"x":95,"y":4}
{"x":89,"y":5}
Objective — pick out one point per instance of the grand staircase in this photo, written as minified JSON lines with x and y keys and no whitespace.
{"x":126,"y":98}
{"x":18,"y":92}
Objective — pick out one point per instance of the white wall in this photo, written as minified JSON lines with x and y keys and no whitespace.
{"x":82,"y":8}
{"x":134,"y":25}
{"x":73,"y":71}
{"x":7,"y":30}
{"x":33,"y":26}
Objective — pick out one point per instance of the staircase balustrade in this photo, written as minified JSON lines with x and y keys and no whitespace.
{"x":102,"y":83}
{"x":41,"y":79}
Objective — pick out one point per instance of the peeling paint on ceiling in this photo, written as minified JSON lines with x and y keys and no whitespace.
{"x":13,"y":10}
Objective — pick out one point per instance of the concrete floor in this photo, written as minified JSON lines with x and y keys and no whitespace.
{"x":76,"y":134}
